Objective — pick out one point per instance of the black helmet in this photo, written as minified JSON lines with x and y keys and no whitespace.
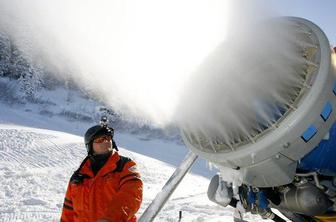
{"x":98,"y":130}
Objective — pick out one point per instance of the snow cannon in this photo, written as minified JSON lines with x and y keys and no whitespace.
{"x":289,"y":164}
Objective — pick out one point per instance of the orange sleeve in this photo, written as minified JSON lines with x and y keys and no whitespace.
{"x":128,"y":199}
{"x":67,"y":211}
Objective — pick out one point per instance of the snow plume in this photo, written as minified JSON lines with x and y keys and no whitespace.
{"x":135,"y":55}
{"x":141,"y":57}
{"x":246,"y":84}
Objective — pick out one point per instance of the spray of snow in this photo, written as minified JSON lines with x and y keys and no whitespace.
{"x":143,"y":58}
{"x":135,"y":55}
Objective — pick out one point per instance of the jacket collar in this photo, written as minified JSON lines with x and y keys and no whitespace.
{"x":110,"y":165}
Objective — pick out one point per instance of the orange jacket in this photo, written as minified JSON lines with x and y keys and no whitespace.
{"x":114,"y":194}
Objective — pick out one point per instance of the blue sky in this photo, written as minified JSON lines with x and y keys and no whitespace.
{"x":322,"y":13}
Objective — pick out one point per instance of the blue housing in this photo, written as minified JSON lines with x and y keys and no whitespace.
{"x":323,"y":157}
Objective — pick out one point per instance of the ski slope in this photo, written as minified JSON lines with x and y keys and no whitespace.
{"x":36,"y":164}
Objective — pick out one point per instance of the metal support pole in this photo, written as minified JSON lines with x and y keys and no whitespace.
{"x":161,"y":198}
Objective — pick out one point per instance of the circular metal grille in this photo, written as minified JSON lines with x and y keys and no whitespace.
{"x":306,"y":46}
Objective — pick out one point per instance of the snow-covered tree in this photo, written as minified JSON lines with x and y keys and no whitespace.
{"x":5,"y":54}
{"x":30,"y":81}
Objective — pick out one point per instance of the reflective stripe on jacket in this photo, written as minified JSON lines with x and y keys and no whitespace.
{"x":114,"y":194}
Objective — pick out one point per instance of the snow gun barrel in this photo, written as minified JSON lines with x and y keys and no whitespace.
{"x":308,"y":117}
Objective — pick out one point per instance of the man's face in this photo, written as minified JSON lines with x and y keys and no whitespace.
{"x":102,"y":144}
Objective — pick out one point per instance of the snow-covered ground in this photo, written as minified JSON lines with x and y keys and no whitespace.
{"x":38,"y":155}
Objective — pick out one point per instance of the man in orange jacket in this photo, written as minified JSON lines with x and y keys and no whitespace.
{"x":106,"y":187}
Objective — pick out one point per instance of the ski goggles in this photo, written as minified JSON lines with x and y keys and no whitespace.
{"x":102,"y":139}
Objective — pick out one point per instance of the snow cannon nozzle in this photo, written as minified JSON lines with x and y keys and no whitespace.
{"x":104,"y":121}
